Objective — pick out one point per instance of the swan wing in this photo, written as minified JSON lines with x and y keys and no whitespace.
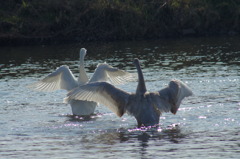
{"x":62,"y":78}
{"x":105,"y":72}
{"x":169,"y":98}
{"x":101,"y":92}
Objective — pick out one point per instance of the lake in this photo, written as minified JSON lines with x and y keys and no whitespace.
{"x":207,"y":125}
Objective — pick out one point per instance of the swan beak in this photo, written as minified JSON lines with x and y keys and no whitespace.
{"x":174,"y":111}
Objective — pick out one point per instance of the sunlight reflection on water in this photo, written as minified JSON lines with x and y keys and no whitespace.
{"x":39,"y":125}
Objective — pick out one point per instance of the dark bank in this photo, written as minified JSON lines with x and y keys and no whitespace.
{"x":26,"y":22}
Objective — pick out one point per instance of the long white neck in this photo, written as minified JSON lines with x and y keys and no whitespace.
{"x":82,"y":78}
{"x":141,"y":88}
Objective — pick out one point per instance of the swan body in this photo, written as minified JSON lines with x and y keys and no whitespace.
{"x":63,"y":78}
{"x":145,"y":106}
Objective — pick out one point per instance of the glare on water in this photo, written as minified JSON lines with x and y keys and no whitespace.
{"x":38,"y":124}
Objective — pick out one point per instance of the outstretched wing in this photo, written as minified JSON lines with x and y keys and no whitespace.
{"x":105,"y":72}
{"x":62,"y":78}
{"x":169,"y":98}
{"x":101,"y":92}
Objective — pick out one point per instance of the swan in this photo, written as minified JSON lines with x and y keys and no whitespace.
{"x":63,"y":78}
{"x":145,"y":106}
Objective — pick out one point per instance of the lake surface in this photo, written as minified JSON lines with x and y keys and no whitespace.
{"x":207,"y":125}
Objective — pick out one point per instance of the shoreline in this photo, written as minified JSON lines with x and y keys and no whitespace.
{"x":28,"y":41}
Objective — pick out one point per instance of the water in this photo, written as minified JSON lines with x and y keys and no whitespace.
{"x":39,"y":125}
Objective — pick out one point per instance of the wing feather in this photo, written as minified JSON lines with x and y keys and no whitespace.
{"x":62,"y":78}
{"x":169,"y":98}
{"x":101,"y":92}
{"x":105,"y":72}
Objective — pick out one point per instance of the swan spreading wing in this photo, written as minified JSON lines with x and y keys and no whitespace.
{"x":62,"y":78}
{"x":105,"y":72}
{"x":101,"y":92}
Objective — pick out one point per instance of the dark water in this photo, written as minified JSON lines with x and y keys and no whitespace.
{"x":39,"y":125}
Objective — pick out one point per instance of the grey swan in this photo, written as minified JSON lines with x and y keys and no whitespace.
{"x":63,"y":78}
{"x":145,"y":106}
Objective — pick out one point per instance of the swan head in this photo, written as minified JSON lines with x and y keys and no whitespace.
{"x":83,"y":53}
{"x":136,"y":61}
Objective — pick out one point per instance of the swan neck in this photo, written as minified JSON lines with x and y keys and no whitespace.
{"x":141,"y":88}
{"x":82,"y":78}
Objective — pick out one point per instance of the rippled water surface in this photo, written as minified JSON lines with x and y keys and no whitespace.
{"x":207,"y":125}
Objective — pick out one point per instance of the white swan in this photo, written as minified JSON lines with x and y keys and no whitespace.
{"x":145,"y":106}
{"x":63,"y":78}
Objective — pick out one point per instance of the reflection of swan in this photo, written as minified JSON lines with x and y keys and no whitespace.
{"x":145,"y":106}
{"x":63,"y":78}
